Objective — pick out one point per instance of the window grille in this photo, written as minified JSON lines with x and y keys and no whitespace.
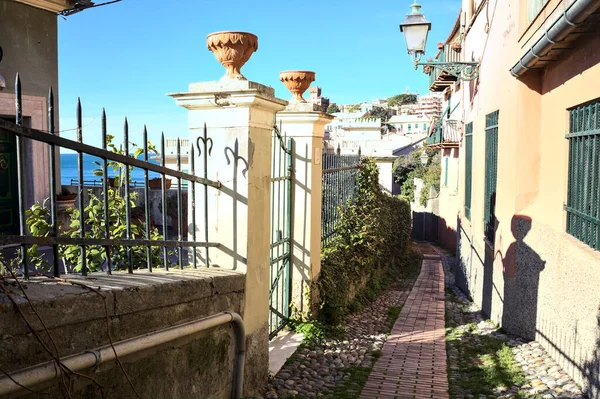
{"x":583,"y":195}
{"x":468,"y":168}
{"x":491,"y":174}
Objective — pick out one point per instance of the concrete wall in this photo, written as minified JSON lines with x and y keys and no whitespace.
{"x":535,"y":280}
{"x":386,"y":176}
{"x":136,"y":304}
{"x":29,"y":42}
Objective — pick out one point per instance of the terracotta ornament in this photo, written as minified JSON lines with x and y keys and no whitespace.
{"x":232,"y":50}
{"x":297,"y":82}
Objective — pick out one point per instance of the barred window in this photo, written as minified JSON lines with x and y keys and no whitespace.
{"x":468,"y":168}
{"x":533,"y":8}
{"x":583,"y":195}
{"x":491,"y":174}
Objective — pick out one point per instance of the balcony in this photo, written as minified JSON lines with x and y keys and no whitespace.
{"x":438,"y":79}
{"x":446,"y":133}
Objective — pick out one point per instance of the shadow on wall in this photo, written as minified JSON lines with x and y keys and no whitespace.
{"x":447,"y":234}
{"x":522,"y":268}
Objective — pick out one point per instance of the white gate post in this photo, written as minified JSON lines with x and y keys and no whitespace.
{"x":305,"y":123}
{"x":239,"y":116}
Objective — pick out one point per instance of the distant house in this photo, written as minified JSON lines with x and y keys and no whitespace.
{"x":410,"y":124}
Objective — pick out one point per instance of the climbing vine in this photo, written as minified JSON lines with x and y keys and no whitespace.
{"x":371,"y":247}
{"x":408,"y":167}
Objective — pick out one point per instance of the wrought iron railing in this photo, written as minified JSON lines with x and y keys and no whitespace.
{"x":339,"y":187}
{"x":445,"y":131}
{"x":446,"y":54}
{"x":100,"y":242}
{"x":132,"y":183}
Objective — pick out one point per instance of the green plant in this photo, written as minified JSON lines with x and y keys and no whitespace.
{"x":408,"y":167}
{"x":95,"y":224}
{"x":354,"y":108}
{"x":333,"y":108}
{"x":483,"y":363}
{"x":118,"y":167}
{"x":370,"y":249}
{"x":401,"y":99}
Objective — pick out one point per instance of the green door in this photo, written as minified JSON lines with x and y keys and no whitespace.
{"x":9,"y":201}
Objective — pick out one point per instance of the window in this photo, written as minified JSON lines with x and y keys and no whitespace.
{"x":583,"y":193}
{"x":468,"y":168}
{"x":533,"y":8}
{"x":491,"y":174}
{"x":409,"y":127}
{"x":446,"y":171}
{"x":424,"y":127}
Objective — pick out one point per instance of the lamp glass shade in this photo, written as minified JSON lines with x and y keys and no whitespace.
{"x":424,"y":158}
{"x":415,"y":28}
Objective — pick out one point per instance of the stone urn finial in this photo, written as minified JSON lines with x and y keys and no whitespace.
{"x":233,"y":50}
{"x":297,"y":82}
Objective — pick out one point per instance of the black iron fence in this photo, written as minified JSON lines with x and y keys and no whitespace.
{"x":339,"y":187}
{"x":100,"y":183}
{"x":107,"y":232}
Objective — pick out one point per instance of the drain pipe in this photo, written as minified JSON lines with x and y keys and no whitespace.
{"x":45,"y":372}
{"x":577,"y":13}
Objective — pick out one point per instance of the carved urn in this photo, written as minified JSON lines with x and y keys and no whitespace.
{"x":233,"y":50}
{"x":297,"y":82}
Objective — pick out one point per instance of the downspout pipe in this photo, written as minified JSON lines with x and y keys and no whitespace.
{"x":577,"y":13}
{"x":49,"y":371}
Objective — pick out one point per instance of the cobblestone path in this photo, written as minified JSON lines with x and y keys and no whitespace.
{"x":413,"y":360}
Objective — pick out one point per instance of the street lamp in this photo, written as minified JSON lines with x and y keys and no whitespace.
{"x":424,"y":158}
{"x":416,"y":29}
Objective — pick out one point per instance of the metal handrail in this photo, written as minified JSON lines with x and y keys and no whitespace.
{"x":50,"y":371}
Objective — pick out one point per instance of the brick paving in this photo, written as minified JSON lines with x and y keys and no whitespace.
{"x":413,"y":359}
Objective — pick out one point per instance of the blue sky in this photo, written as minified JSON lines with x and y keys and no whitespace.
{"x":127,"y":56}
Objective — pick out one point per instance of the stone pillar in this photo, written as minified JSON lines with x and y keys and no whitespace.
{"x":305,"y":123}
{"x":239,"y":116}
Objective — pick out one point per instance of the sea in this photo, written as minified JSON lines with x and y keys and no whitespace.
{"x":70,"y":173}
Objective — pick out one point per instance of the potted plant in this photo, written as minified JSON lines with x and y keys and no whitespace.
{"x":65,"y":200}
{"x":65,"y":196}
{"x":156,"y":183}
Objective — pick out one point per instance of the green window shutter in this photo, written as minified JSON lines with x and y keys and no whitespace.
{"x":491,"y":174}
{"x":583,"y":190}
{"x":409,"y":126}
{"x":446,"y":172}
{"x":468,"y":168}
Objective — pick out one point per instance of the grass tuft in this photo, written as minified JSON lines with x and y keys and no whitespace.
{"x":484,"y":363}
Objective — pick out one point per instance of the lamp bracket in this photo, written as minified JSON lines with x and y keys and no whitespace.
{"x":461,"y":70}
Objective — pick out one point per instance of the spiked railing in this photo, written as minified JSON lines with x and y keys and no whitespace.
{"x":85,"y":240}
{"x":339,"y":186}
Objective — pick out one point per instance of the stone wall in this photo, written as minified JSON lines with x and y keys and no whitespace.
{"x":136,"y":304}
{"x":545,"y":288}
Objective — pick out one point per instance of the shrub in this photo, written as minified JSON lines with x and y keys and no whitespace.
{"x":370,"y":249}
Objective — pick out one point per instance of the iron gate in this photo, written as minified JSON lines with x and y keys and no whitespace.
{"x":281,"y":231}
